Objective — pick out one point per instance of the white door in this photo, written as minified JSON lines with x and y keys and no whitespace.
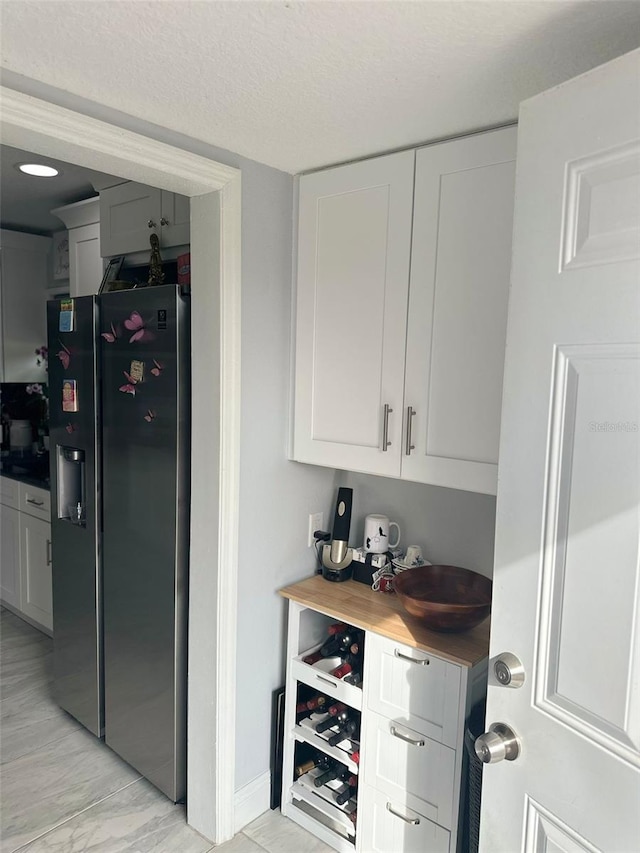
{"x":567,"y":580}
{"x":354,"y":243}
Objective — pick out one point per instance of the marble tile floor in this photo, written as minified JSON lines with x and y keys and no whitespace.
{"x":63,"y":791}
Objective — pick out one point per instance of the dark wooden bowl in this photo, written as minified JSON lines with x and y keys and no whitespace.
{"x":445,"y":598}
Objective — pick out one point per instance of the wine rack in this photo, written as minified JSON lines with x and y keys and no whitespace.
{"x":324,"y":714}
{"x":399,"y":756}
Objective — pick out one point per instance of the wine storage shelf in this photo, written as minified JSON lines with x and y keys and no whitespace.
{"x":409,"y":719}
{"x":305,"y":734}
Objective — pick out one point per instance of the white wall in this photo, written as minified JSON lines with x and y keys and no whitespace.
{"x":454,"y":527}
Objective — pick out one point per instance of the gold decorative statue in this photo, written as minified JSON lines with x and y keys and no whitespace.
{"x":156,"y":276}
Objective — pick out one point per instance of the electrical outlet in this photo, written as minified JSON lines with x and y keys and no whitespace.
{"x":316,"y":522}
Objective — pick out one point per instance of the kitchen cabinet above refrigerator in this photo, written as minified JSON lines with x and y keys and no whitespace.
{"x":131,"y":212}
{"x":402,"y":290}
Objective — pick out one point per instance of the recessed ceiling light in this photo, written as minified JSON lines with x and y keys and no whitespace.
{"x":39,"y":170}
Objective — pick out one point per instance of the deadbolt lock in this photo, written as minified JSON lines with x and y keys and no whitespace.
{"x":508,"y":670}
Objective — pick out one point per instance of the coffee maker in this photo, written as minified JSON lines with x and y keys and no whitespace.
{"x":336,"y":555}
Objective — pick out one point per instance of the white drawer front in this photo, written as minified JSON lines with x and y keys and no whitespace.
{"x":10,"y":492}
{"x":387,"y":825}
{"x":413,"y":687}
{"x":407,"y":765}
{"x":36,"y":502}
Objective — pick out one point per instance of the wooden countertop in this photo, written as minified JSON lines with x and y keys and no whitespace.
{"x":381,"y":612}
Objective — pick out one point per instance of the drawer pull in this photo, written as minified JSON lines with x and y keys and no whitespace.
{"x":326,"y":680}
{"x":48,"y":552}
{"x":420,"y":661}
{"x":414,"y":821}
{"x":394,"y":731}
{"x":34,"y":502}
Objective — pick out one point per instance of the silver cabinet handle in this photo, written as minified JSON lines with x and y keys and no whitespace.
{"x":385,"y":426}
{"x":394,"y":731}
{"x":419,"y":661}
{"x":48,"y":552}
{"x":34,"y":502}
{"x":151,"y":223}
{"x":414,"y":821}
{"x":409,"y":447}
{"x":164,"y":220}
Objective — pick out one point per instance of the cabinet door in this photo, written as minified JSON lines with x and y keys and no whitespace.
{"x":35,"y":570}
{"x":85,"y":262}
{"x":24,"y":260}
{"x":175,"y":220}
{"x":353,"y":275}
{"x":125,"y":213}
{"x":10,"y":555}
{"x":456,"y":335}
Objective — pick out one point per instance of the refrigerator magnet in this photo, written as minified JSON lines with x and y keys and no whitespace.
{"x":65,"y":322}
{"x":69,"y":395}
{"x":136,"y":371}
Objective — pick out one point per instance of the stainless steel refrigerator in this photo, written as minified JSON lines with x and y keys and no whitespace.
{"x":119,"y":378}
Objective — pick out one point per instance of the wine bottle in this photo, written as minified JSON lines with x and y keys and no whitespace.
{"x":345,"y":730}
{"x":323,"y":725}
{"x":353,"y":816}
{"x":354,"y":678}
{"x":341,"y":670}
{"x":355,"y":757}
{"x":336,"y":709}
{"x":337,"y":628}
{"x":317,"y":702}
{"x":320,"y":761}
{"x":314,"y":657}
{"x":331,"y":647}
{"x":351,"y":789}
{"x":332,"y":772}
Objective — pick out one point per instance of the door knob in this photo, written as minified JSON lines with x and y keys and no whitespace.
{"x":508,"y":670}
{"x":499,"y":742}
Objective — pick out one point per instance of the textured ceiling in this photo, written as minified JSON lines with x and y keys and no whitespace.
{"x":300,"y":84}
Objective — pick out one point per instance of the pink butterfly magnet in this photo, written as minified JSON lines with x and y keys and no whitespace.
{"x":157,"y":368}
{"x":111,"y":336}
{"x":129,"y":386}
{"x":70,"y":428}
{"x":64,"y":355}
{"x":149,"y":416}
{"x":135,"y":324}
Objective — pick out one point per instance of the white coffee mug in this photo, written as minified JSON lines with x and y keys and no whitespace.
{"x":376,"y":534}
{"x":413,"y":557}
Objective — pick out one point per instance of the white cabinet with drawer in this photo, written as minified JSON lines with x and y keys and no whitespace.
{"x":25,"y":551}
{"x":404,"y":762}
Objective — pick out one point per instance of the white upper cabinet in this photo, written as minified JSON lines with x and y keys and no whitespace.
{"x":457,"y":321}
{"x":353,"y":277}
{"x":24,"y":276}
{"x":401,"y":312}
{"x":85,"y":262}
{"x":130,"y":213}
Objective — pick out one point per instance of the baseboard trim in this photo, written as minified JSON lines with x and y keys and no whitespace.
{"x":251,"y":801}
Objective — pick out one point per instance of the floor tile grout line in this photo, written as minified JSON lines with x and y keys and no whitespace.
{"x":25,"y":847}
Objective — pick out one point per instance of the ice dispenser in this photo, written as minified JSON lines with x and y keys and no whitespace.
{"x":71,"y":484}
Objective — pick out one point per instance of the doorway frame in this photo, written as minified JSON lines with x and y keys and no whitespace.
{"x":215,"y":191}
